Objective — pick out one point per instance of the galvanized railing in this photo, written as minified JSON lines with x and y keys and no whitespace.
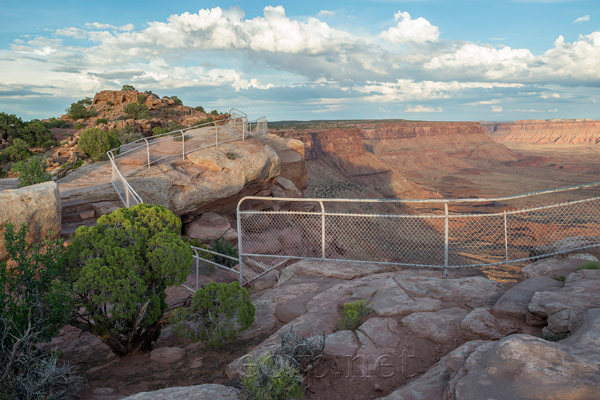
{"x":441,"y":233}
{"x":133,"y":157}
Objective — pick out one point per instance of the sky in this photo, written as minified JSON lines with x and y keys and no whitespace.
{"x":463,"y":60}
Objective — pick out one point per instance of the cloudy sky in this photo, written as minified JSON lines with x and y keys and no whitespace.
{"x":490,"y":60}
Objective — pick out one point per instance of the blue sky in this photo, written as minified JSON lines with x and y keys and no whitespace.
{"x":493,"y":60}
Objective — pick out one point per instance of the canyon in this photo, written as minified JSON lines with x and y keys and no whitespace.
{"x":561,"y":132}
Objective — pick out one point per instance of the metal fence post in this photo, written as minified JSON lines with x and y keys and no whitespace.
{"x":183,"y":144}
{"x":147,"y":151}
{"x":239,"y":232}
{"x":322,"y":230}
{"x":446,"y":239}
{"x":506,"y":238}
{"x":197,"y":267}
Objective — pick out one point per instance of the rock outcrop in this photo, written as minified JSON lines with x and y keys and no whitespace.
{"x":37,"y":206}
{"x":291,"y":158}
{"x":555,"y":131}
{"x":199,"y":392}
{"x":208,"y":180}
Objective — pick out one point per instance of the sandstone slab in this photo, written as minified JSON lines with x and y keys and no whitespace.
{"x":37,"y":206}
{"x":554,"y":268}
{"x":483,"y":324}
{"x":514,"y":302}
{"x":199,"y":392}
{"x":440,"y":327}
{"x":209,"y":227}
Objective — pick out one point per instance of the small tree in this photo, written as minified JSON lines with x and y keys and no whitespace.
{"x":138,"y":111}
{"x":9,"y":125}
{"x":218,"y":312}
{"x":19,"y":151}
{"x":128,"y":88}
{"x":77,"y":111}
{"x":86,"y":101}
{"x":36,"y":134}
{"x":120,"y":270}
{"x":32,"y":171}
{"x":95,"y":143}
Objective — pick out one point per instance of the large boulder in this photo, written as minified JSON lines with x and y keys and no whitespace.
{"x":37,"y":206}
{"x":199,"y":392}
{"x":211,"y":179}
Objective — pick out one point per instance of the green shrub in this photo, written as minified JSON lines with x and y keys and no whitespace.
{"x":32,"y":171}
{"x":589,"y":265}
{"x":224,"y":247}
{"x":177,"y":100}
{"x":101,"y":121}
{"x":34,"y":305}
{"x":203,"y":121}
{"x":9,"y":125}
{"x":77,"y":111}
{"x":121,"y":118}
{"x":218,"y":312}
{"x":150,"y":93}
{"x":273,"y":377}
{"x":93,"y":112}
{"x":36,"y":134}
{"x":137,"y":111}
{"x":120,"y":270}
{"x":199,"y":108}
{"x":78,"y":126}
{"x":127,"y":88}
{"x":19,"y":151}
{"x":214,"y":112}
{"x":352,"y":313}
{"x":171,"y":128}
{"x":110,"y":103}
{"x":3,"y":174}
{"x":95,"y":143}
{"x":141,"y":98}
{"x":86,"y":101}
{"x":54,"y":123}
{"x":126,"y":134}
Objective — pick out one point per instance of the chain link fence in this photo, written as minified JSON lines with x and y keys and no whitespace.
{"x":495,"y":234}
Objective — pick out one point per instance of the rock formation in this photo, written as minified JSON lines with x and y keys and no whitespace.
{"x":555,"y":131}
{"x":37,"y":206}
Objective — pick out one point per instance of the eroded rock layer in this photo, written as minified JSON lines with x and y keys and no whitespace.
{"x":571,"y":131}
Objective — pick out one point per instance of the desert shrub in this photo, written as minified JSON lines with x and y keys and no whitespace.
{"x":218,"y":312}
{"x":78,"y":125}
{"x":273,"y":377}
{"x":203,"y":121}
{"x":3,"y":174}
{"x":177,"y":100}
{"x":126,"y":134}
{"x":553,"y":337}
{"x":224,"y":247}
{"x":54,"y":123}
{"x":214,"y":112}
{"x":199,"y":108}
{"x":150,"y":93}
{"x":77,"y":111}
{"x":9,"y":125}
{"x":302,"y":352}
{"x":32,"y":171}
{"x":101,"y":121}
{"x":86,"y":101}
{"x":171,"y":128}
{"x":36,"y":134}
{"x":589,"y":265}
{"x":231,"y":155}
{"x":128,"y":88}
{"x":110,"y":103}
{"x":120,"y":270}
{"x":137,"y":111}
{"x":34,"y":305}
{"x":95,"y":143}
{"x":19,"y":151}
{"x":141,"y":98}
{"x":93,"y":112}
{"x":352,"y":313}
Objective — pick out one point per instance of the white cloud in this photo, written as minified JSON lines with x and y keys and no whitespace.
{"x":421,"y":109}
{"x":483,"y":102}
{"x":325,"y":13}
{"x":408,"y":30}
{"x":98,"y":25}
{"x":497,"y":109}
{"x":553,"y":110}
{"x":585,"y":18}
{"x":550,"y":96}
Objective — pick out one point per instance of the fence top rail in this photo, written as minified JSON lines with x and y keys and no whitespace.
{"x":441,"y":201}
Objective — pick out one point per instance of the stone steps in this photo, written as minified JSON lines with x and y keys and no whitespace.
{"x":82,"y":213}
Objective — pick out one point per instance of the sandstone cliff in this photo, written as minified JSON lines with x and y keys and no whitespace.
{"x":572,"y":132}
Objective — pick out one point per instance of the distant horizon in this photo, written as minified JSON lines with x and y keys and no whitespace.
{"x":433,"y":60}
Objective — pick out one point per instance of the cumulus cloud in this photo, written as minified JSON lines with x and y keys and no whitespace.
{"x":408,"y":30}
{"x":422,"y":109}
{"x":585,"y":18}
{"x":497,"y":109}
{"x":325,"y":13}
